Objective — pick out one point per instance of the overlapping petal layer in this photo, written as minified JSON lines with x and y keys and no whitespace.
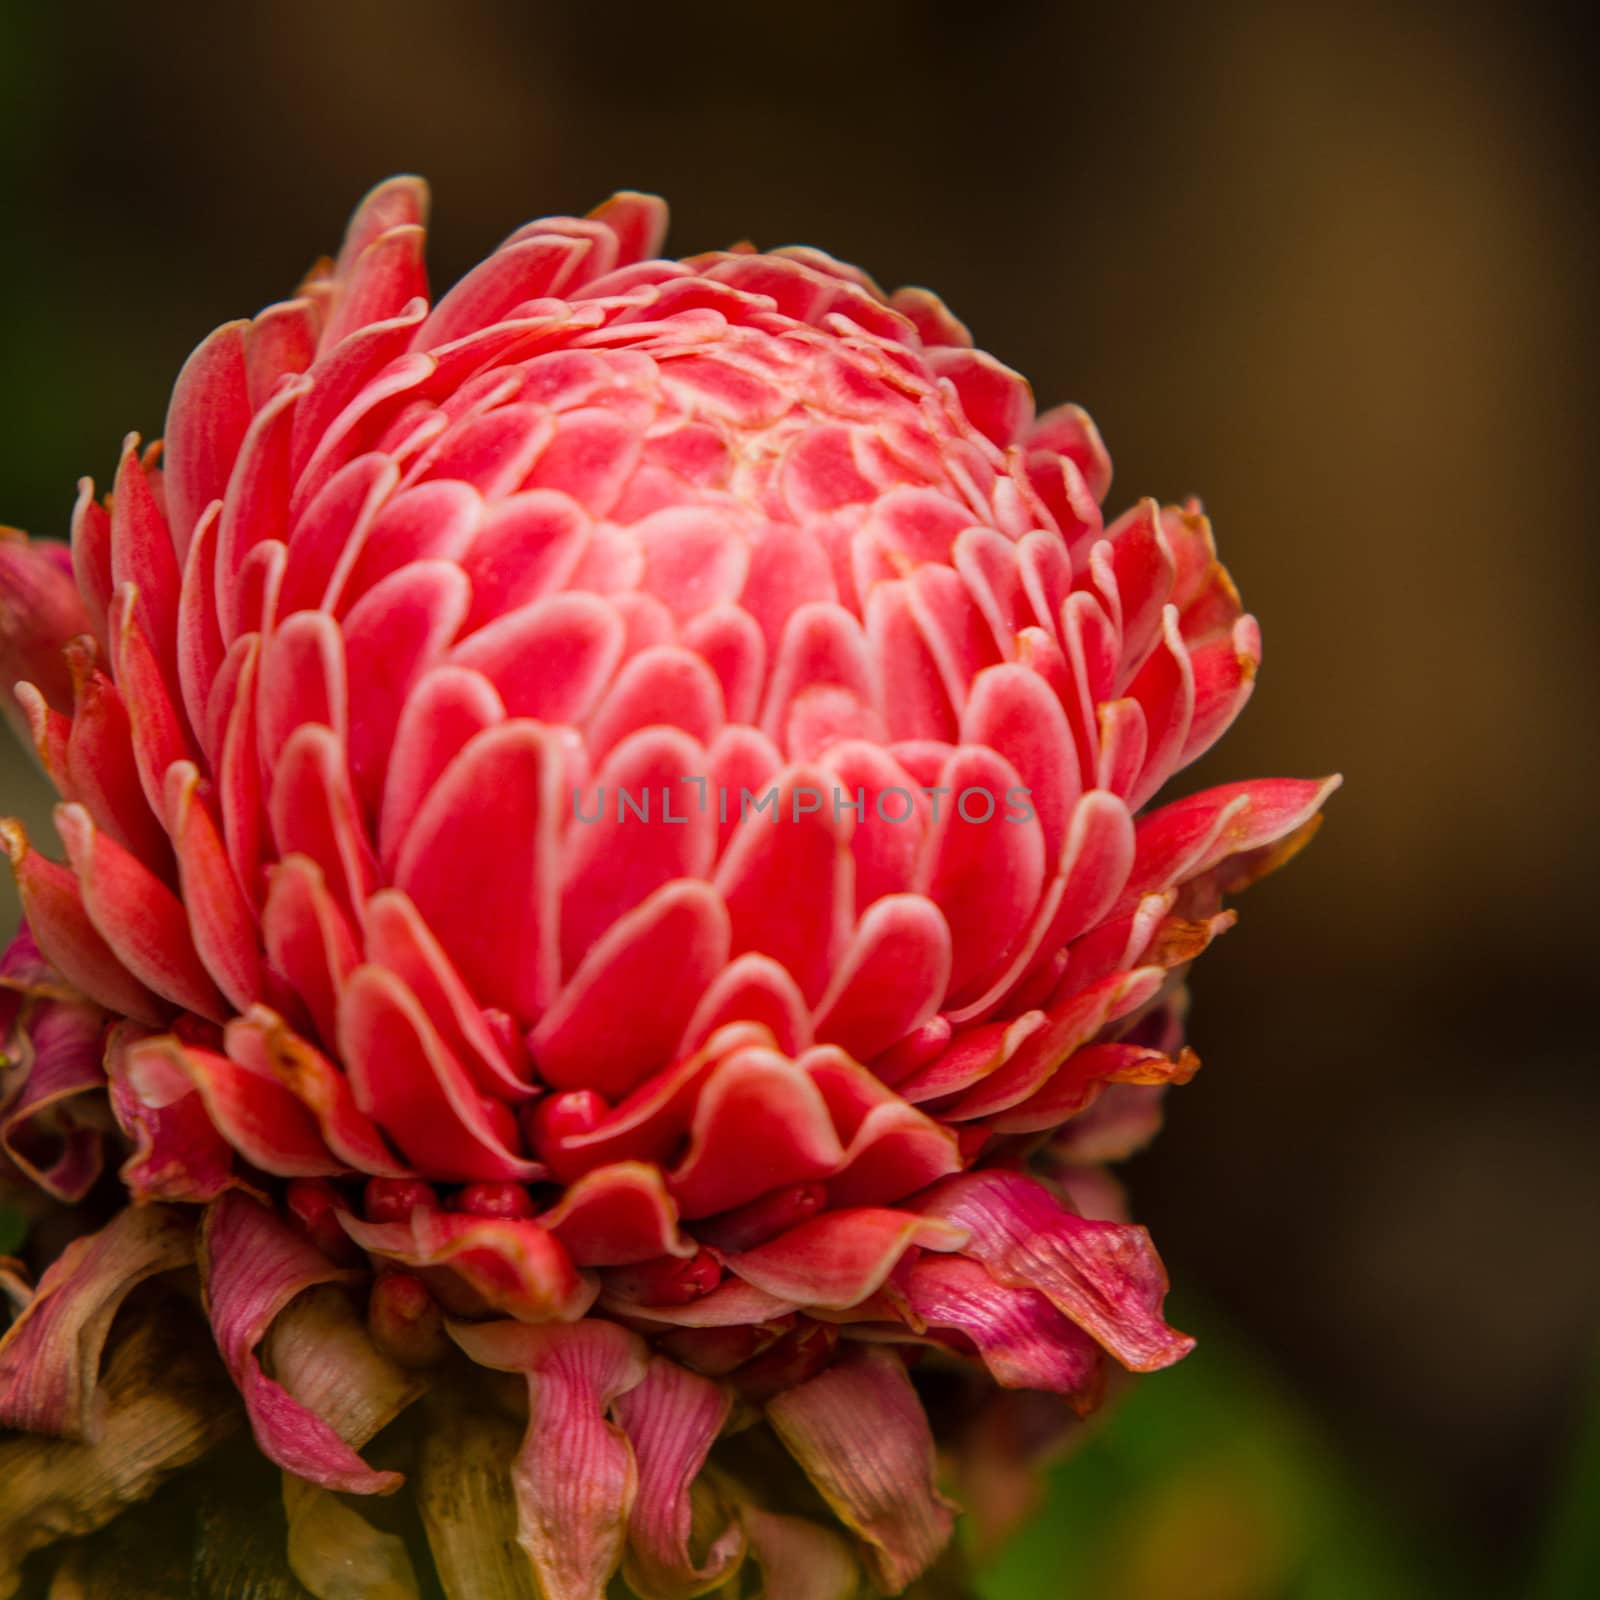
{"x":618,"y":800}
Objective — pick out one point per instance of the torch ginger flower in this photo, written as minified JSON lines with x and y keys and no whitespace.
{"x":606,"y":839}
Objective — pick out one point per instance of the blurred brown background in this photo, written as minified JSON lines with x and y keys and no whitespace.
{"x":1329,"y":266}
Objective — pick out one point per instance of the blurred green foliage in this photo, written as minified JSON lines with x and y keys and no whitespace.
{"x":12,"y":1227}
{"x":1210,"y":1482}
{"x":1570,"y":1569}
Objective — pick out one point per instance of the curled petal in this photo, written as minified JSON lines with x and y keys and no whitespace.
{"x":1024,"y":1341}
{"x":163,"y":1403}
{"x":1104,"y":1276}
{"x":252,"y":1266}
{"x":672,"y":1418}
{"x":799,"y":1559}
{"x":513,"y":1264}
{"x":178,"y":1154}
{"x":859,"y":1432}
{"x":573,"y":1503}
{"x":63,"y":1046}
{"x":252,"y":1110}
{"x":1193,"y":835}
{"x":50,"y":1356}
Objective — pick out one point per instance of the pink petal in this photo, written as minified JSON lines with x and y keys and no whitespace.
{"x":859,"y":1432}
{"x":551,"y":659}
{"x":397,"y":938}
{"x":970,"y":1057}
{"x":1192,"y":835}
{"x":177,"y":1152}
{"x":1068,"y":431}
{"x":627,"y":1005}
{"x":643,"y":1127}
{"x":156,"y":726}
{"x":572,"y":1504}
{"x":399,"y":202}
{"x":891,"y":979}
{"x":753,"y":1100}
{"x":1024,"y":1341}
{"x":326,"y":539}
{"x":101,"y":772}
{"x":1163,"y":688}
{"x":142,"y":555}
{"x":996,"y":400}
{"x":618,"y":1215}
{"x":664,"y":685}
{"x":838,"y":1259}
{"x":916,"y":699}
{"x":672,"y":1418}
{"x":261,"y":1043}
{"x":221,"y":921}
{"x":513,"y":1265}
{"x":256,"y":507}
{"x":91,"y":557}
{"x":445,"y":708}
{"x":730,"y":641}
{"x":695,"y":557}
{"x":887,"y":835}
{"x":984,"y":870}
{"x":236,"y":765}
{"x":62,"y":1046}
{"x":408,"y":1080}
{"x":251,"y":1267}
{"x":787,"y":880}
{"x":639,"y":222}
{"x":258,"y":1117}
{"x":314,"y":813}
{"x":138,"y":916}
{"x":513,"y":274}
{"x":280,"y":341}
{"x":397,"y":631}
{"x":525,"y":548}
{"x":1224,"y":677}
{"x":650,"y":830}
{"x":1071,"y":1023}
{"x":206,"y":424}
{"x":1104,"y":1276}
{"x":1013,"y":712}
{"x":304,"y":678}
{"x":752,"y":989}
{"x":378,"y":283}
{"x":308,"y":939}
{"x":50,"y":1355}
{"x":481,"y":863}
{"x":493,"y":450}
{"x":355,"y":388}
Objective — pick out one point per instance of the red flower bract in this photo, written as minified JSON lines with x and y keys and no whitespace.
{"x":616,"y":799}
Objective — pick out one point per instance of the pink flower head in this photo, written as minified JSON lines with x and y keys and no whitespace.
{"x":618,"y":801}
